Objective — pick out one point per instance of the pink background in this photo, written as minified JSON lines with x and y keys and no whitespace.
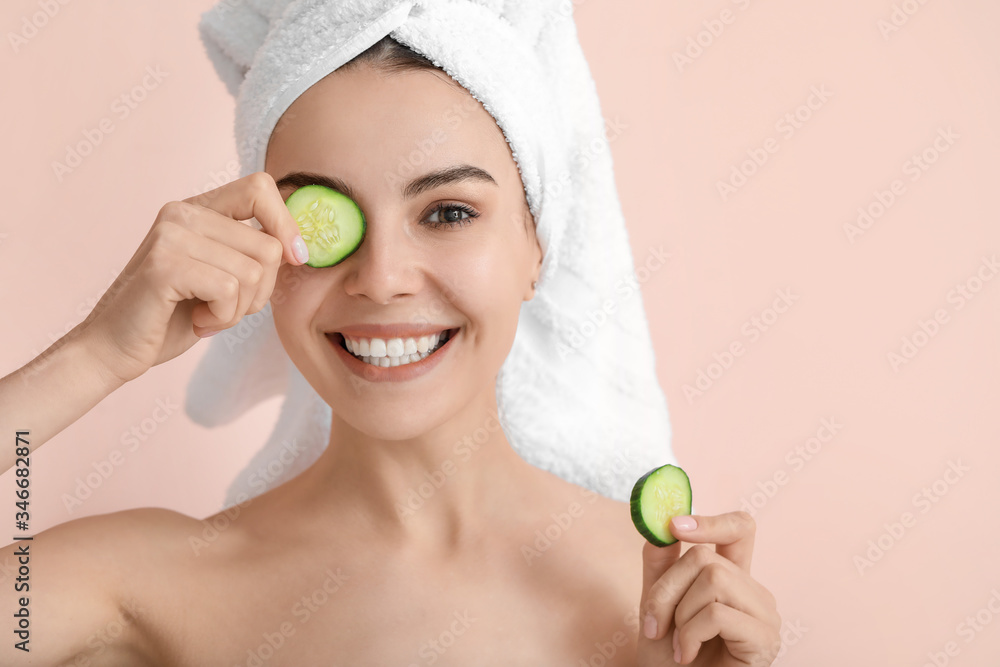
{"x":683,"y":130}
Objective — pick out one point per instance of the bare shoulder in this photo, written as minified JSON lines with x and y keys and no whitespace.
{"x":584,"y":550}
{"x":132,"y":534}
{"x":78,"y":582}
{"x":118,"y":549}
{"x":592,"y":524}
{"x":612,"y":518}
{"x":103,"y":543}
{"x":607,"y":520}
{"x":129,"y":523}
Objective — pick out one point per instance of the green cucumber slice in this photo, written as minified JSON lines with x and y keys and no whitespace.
{"x":331,"y":224}
{"x":657,"y":497}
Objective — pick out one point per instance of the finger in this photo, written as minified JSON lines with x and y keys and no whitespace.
{"x":666,"y":592}
{"x":256,"y":196}
{"x":651,"y":653}
{"x":217,"y":288}
{"x":732,"y":534}
{"x":747,"y":639}
{"x":655,"y":562}
{"x":724,"y":582}
{"x":247,"y":271}
{"x":258,"y":247}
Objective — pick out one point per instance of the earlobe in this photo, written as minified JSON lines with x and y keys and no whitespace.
{"x":531,"y":293}
{"x":539,"y":254}
{"x":538,"y":270}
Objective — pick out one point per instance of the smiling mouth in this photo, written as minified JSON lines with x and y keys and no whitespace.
{"x":405,"y":350}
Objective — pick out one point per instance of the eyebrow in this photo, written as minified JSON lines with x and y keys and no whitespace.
{"x":419,"y":185}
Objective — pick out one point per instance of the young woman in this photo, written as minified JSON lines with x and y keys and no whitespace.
{"x":325,"y":569}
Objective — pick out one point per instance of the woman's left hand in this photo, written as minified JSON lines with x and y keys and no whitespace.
{"x":708,"y":610}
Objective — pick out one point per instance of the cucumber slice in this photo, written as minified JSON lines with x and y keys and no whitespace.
{"x":331,"y":224}
{"x":657,"y":497}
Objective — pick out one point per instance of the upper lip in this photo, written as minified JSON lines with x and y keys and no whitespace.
{"x":395,"y":330}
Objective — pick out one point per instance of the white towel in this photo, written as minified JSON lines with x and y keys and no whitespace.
{"x":578,"y":393}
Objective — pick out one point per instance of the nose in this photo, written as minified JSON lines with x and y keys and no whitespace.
{"x":385,"y":266}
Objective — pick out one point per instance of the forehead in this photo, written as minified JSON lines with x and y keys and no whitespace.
{"x":364,"y":122}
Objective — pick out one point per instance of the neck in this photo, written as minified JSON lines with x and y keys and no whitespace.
{"x":440,"y":489}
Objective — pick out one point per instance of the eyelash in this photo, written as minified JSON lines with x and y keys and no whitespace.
{"x":472,"y":213}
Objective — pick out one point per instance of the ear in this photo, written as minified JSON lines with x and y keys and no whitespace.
{"x":535,"y":253}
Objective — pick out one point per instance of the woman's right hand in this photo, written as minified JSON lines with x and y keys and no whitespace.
{"x":199,"y":269}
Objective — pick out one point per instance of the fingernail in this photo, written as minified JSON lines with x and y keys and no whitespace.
{"x":649,"y":626}
{"x":299,"y":249}
{"x":685,"y":523}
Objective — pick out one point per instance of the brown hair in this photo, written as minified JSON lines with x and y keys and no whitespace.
{"x":389,"y":55}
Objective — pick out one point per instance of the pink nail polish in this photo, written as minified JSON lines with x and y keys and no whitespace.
{"x":299,"y":249}
{"x":649,"y":626}
{"x":685,"y":523}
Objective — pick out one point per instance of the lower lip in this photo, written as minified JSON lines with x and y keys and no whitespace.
{"x":392,"y":373}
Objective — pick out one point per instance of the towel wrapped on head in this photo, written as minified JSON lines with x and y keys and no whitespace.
{"x":578,"y":394}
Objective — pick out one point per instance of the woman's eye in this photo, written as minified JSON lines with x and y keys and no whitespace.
{"x":451,"y":215}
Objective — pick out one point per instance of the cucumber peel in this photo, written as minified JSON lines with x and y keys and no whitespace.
{"x":331,"y":224}
{"x":657,"y":497}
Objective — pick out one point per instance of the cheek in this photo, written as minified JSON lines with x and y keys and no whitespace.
{"x":293,"y":297}
{"x":487,"y":272}
{"x":485,"y":288}
{"x":287,"y":284}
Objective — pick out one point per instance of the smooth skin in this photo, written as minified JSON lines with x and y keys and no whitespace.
{"x":496,"y":563}
{"x":704,"y":606}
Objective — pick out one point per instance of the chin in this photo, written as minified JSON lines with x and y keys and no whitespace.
{"x":387,"y":420}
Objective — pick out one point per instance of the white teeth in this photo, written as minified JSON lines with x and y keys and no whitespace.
{"x":394,"y":347}
{"x":395,"y":351}
{"x":386,"y":362}
{"x":377,"y":347}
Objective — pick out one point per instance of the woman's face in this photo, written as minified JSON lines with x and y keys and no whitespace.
{"x":467,"y":267}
